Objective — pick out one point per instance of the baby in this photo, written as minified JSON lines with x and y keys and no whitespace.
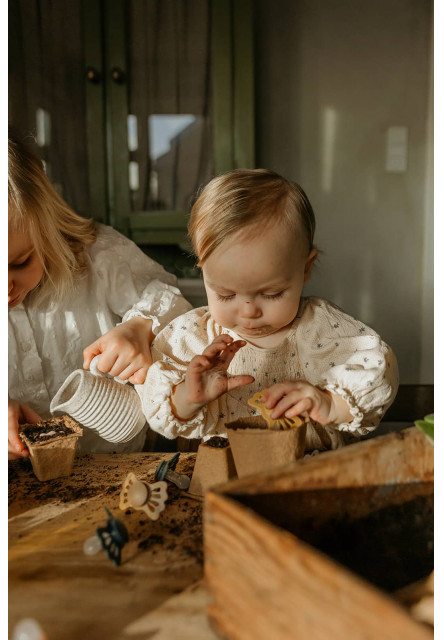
{"x":252,"y":232}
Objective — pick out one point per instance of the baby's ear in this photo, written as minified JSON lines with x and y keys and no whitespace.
{"x":311,"y":259}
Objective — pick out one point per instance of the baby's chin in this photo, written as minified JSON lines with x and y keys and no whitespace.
{"x":261,"y":332}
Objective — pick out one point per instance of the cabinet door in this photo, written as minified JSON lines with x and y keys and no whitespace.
{"x":136,"y":105}
{"x":179,"y":103}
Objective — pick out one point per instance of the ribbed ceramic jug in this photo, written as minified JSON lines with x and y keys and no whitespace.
{"x":102,"y":403}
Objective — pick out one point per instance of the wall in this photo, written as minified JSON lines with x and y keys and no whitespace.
{"x":332,"y":76}
{"x":427,"y":346}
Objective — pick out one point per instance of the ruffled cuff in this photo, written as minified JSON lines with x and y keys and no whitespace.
{"x":355,"y":410}
{"x":160,"y":303}
{"x":135,"y":313}
{"x":158,"y":411}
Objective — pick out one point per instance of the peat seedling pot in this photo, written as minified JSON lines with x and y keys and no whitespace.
{"x":52,"y":446}
{"x":214,"y":465}
{"x":257,"y":448}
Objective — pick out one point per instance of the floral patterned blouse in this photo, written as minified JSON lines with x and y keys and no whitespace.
{"x":324,"y":346}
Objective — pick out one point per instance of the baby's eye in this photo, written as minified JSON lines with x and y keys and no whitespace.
{"x":225,"y":298}
{"x":273,"y":296}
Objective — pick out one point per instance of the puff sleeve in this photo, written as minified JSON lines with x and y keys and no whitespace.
{"x":172,"y":351}
{"x":134,"y":284}
{"x":348,"y":358}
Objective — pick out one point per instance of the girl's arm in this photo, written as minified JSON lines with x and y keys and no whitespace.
{"x":126,"y":350}
{"x":141,"y":292}
{"x":134,"y":284}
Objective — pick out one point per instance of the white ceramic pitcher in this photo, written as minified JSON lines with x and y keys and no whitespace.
{"x":102,"y":403}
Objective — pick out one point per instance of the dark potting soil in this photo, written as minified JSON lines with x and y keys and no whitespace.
{"x":218,"y":442}
{"x":384,"y":534}
{"x":391,"y":547}
{"x":47,"y":430}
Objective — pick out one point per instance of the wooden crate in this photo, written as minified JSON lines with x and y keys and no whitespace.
{"x":315,"y":549}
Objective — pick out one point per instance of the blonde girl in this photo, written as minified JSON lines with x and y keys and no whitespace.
{"x":253,"y":234}
{"x":70,"y":282}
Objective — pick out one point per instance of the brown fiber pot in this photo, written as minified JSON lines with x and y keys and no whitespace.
{"x":256,"y":448}
{"x":213,"y":466}
{"x":53,"y":458}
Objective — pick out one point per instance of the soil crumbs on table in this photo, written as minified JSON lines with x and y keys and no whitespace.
{"x":179,"y":525}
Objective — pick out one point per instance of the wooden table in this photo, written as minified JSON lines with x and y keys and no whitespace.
{"x":155,"y":593}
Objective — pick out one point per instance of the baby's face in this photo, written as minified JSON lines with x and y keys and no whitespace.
{"x":25,"y":270}
{"x":254,"y":282}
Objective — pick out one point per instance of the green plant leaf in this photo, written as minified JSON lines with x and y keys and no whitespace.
{"x":427,"y":428}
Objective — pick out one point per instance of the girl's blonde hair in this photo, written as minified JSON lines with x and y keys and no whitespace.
{"x":252,"y":198}
{"x":58,"y":234}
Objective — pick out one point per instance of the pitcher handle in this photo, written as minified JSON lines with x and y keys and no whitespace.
{"x":96,"y":372}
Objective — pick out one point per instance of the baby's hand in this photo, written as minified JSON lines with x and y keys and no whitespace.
{"x":18,"y":413}
{"x":125,"y":350}
{"x":207,"y":378}
{"x":302,"y":398}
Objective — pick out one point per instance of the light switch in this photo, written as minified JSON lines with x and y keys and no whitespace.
{"x":133,"y":175}
{"x":396,"y":150}
{"x":43,"y":127}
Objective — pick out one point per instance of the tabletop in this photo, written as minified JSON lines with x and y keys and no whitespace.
{"x":156,"y":592}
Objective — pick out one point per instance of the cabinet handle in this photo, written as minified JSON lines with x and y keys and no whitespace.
{"x":92,"y":75}
{"x":118,"y":75}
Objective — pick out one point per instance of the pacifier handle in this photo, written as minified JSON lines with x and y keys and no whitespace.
{"x":96,"y":372}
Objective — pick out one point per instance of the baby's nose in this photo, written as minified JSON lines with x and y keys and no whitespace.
{"x":250,"y":310}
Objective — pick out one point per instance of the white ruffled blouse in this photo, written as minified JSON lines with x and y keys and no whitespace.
{"x":324,"y":346}
{"x":45,"y":346}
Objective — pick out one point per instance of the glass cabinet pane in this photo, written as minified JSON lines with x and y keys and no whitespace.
{"x":169,"y":126}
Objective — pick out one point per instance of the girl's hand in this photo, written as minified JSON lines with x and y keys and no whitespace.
{"x":18,"y":413}
{"x":207,"y":378}
{"x":125,"y":350}
{"x":302,"y":398}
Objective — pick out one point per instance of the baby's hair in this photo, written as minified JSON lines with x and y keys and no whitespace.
{"x":247,"y":198}
{"x":58,"y":234}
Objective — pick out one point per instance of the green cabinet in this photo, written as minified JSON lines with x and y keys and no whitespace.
{"x":136,"y":104}
{"x":112,"y":71}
